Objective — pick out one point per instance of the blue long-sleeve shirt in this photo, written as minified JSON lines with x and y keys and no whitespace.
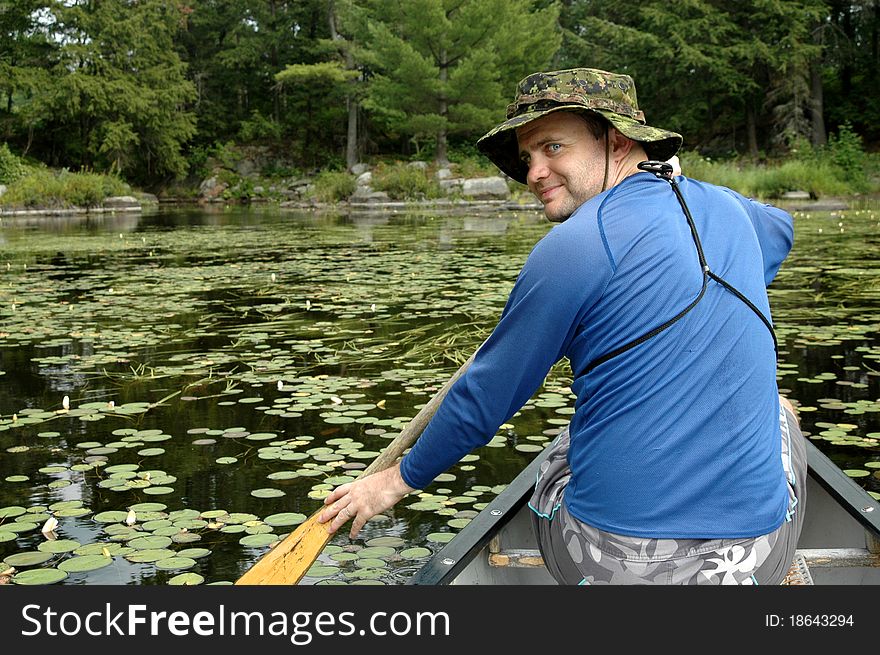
{"x":678,"y":436}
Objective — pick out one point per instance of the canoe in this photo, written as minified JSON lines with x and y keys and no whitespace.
{"x":839,"y":543}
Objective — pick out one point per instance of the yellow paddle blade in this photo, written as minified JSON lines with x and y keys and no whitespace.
{"x":289,"y":559}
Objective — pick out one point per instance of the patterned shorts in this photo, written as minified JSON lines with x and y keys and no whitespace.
{"x":577,"y":553}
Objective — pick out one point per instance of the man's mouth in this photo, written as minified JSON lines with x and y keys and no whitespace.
{"x":546,"y":194}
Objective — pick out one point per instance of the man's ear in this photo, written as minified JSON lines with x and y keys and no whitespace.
{"x":621,"y":145}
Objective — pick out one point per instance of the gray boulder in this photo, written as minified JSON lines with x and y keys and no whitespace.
{"x":485,"y":188}
{"x":121,"y":203}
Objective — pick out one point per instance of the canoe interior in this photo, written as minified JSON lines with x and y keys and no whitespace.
{"x":840,"y":541}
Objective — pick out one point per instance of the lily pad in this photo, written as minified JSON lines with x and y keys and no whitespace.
{"x":28,"y":558}
{"x":187,"y":579}
{"x":284,"y":519}
{"x":39,"y":576}
{"x":268,"y":492}
{"x":175,"y":563}
{"x":83,"y":563}
{"x":258,"y":540}
{"x":59,"y":546}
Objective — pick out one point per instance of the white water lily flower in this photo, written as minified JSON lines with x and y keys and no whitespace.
{"x":280,"y":385}
{"x":65,"y":402}
{"x":131,"y":519}
{"x":273,"y":277}
{"x":50,"y":525}
{"x":308,"y":304}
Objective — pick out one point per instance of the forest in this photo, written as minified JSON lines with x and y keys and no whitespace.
{"x":150,"y":90}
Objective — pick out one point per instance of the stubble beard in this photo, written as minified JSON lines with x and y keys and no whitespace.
{"x":578,"y":191}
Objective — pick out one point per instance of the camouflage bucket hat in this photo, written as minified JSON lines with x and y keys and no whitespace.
{"x":578,"y":89}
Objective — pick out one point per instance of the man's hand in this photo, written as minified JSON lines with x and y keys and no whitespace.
{"x":362,"y":499}
{"x":676,"y":165}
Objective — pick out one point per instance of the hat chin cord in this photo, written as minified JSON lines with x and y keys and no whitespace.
{"x":607,"y":157}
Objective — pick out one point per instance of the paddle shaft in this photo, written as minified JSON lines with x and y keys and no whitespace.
{"x":288,"y":561}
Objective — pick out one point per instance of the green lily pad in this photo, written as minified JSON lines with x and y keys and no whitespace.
{"x":149,"y":555}
{"x":28,"y":558}
{"x":284,"y":519}
{"x":150,"y":542}
{"x":11,"y":511}
{"x":416,"y":552}
{"x":441,"y":537}
{"x":39,"y":576}
{"x":267,"y":493}
{"x":111,"y":516}
{"x":187,"y":579}
{"x":194,"y":553}
{"x":175,"y":563}
{"x":59,"y":546}
{"x":158,"y":491}
{"x":258,"y":540}
{"x":151,"y":452}
{"x":83,"y":563}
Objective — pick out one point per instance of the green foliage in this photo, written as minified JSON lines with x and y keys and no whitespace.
{"x":43,"y":188}
{"x":333,"y":186}
{"x":846,"y":151}
{"x":12,"y":167}
{"x":325,"y":73}
{"x":259,"y":128}
{"x":114,"y":93}
{"x":448,"y":69}
{"x":467,"y":161}
{"x":818,"y":176}
{"x":404,"y":182}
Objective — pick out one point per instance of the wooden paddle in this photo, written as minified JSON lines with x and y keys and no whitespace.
{"x":287,"y":562}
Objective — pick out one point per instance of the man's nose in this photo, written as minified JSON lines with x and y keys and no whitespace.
{"x":537,"y":170}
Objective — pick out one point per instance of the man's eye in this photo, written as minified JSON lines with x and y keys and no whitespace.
{"x":554,"y":147}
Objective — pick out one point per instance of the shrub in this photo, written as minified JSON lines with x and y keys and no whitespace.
{"x":846,"y":151}
{"x":333,"y":186}
{"x":12,"y":168}
{"x":403,"y":182}
{"x":43,"y":188}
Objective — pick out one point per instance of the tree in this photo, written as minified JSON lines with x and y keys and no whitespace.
{"x":713,"y":70}
{"x":117,"y":96}
{"x":24,"y":51}
{"x":852,"y":73}
{"x":341,"y":76}
{"x":235,"y":49}
{"x":444,"y":67}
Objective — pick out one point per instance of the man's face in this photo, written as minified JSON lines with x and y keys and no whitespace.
{"x":566,"y":162}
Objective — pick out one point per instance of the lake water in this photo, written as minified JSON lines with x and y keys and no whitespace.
{"x":219,"y":370}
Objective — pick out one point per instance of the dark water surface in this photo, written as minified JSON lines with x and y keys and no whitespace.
{"x":225,"y":368}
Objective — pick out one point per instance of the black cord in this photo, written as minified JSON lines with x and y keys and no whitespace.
{"x":663,"y":170}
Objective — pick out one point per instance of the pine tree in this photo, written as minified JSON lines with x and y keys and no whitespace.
{"x":448,"y":67}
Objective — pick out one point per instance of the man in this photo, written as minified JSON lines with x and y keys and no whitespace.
{"x":679,"y":466}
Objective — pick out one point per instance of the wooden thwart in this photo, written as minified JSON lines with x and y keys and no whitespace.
{"x":289,"y":560}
